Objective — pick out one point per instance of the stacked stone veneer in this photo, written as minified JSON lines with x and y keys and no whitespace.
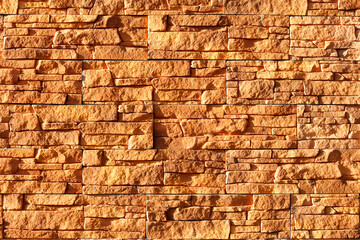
{"x":179,"y":119}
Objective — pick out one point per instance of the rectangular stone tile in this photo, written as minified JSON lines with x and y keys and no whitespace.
{"x":51,"y":216}
{"x":174,"y":7}
{"x":75,"y":37}
{"x":139,"y":82}
{"x":9,"y":6}
{"x":328,"y":127}
{"x":292,"y":171}
{"x":292,"y":82}
{"x":40,"y":171}
{"x":219,"y":37}
{"x":274,"y":7}
{"x":205,"y":85}
{"x":225,"y":127}
{"x":228,"y":216}
{"x":154,"y":171}
{"x":40,"y":82}
{"x":332,"y":8}
{"x":321,"y":216}
{"x":89,"y":126}
{"x":335,"y":38}
{"x":113,"y":216}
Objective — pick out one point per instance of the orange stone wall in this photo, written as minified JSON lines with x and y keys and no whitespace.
{"x":179,"y":119}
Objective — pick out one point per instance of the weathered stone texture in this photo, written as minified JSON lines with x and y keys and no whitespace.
{"x":325,"y":216}
{"x":179,"y":119}
{"x":224,"y":127}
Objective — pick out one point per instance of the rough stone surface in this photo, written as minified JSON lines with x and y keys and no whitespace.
{"x":179,"y":119}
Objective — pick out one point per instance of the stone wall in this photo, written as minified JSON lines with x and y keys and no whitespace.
{"x":180,"y":119}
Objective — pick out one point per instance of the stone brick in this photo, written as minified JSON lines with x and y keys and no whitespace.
{"x":9,"y":7}
{"x":193,"y":230}
{"x":9,"y":76}
{"x":201,"y":41}
{"x":283,"y":7}
{"x":122,"y":175}
{"x":149,"y":69}
{"x":76,"y":113}
{"x":44,"y":220}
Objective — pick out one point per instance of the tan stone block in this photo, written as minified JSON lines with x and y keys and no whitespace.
{"x":49,"y":200}
{"x":134,"y":155}
{"x":107,"y":7}
{"x":313,"y":222}
{"x":98,"y":78}
{"x":298,"y":153}
{"x":315,"y":131}
{"x":184,"y":167}
{"x":51,"y":138}
{"x":9,"y":165}
{"x":248,"y":32}
{"x":213,"y":97}
{"x":126,"y":225}
{"x":9,"y":76}
{"x":120,"y":53}
{"x":104,"y":211}
{"x":275,"y":7}
{"x":274,"y":202}
{"x":141,"y":142}
{"x":257,"y":89}
{"x":27,"y":42}
{"x":13,"y":201}
{"x":167,"y":130}
{"x":125,"y":128}
{"x":249,"y":177}
{"x":194,"y":20}
{"x":44,"y":220}
{"x":59,"y":67}
{"x":87,"y":37}
{"x":323,"y":32}
{"x":106,"y":94}
{"x":123,"y":175}
{"x":188,"y":83}
{"x":106,"y":140}
{"x":58,"y":156}
{"x":260,"y":46}
{"x":270,"y":226}
{"x":17,"y":153}
{"x":24,"y":122}
{"x":196,"y":180}
{"x":177,"y":95}
{"x":93,"y":158}
{"x":146,"y":5}
{"x":348,"y":4}
{"x":62,"y":3}
{"x":191,"y":230}
{"x":192,"y":213}
{"x":48,"y":113}
{"x":272,"y":121}
{"x":268,"y":214}
{"x":9,"y":6}
{"x":321,"y":88}
{"x":71,"y":87}
{"x":149,"y":69}
{"x":213,"y":127}
{"x":308,"y":171}
{"x":128,"y":22}
{"x":195,"y":41}
{"x":157,"y":23}
{"x":275,"y":110}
